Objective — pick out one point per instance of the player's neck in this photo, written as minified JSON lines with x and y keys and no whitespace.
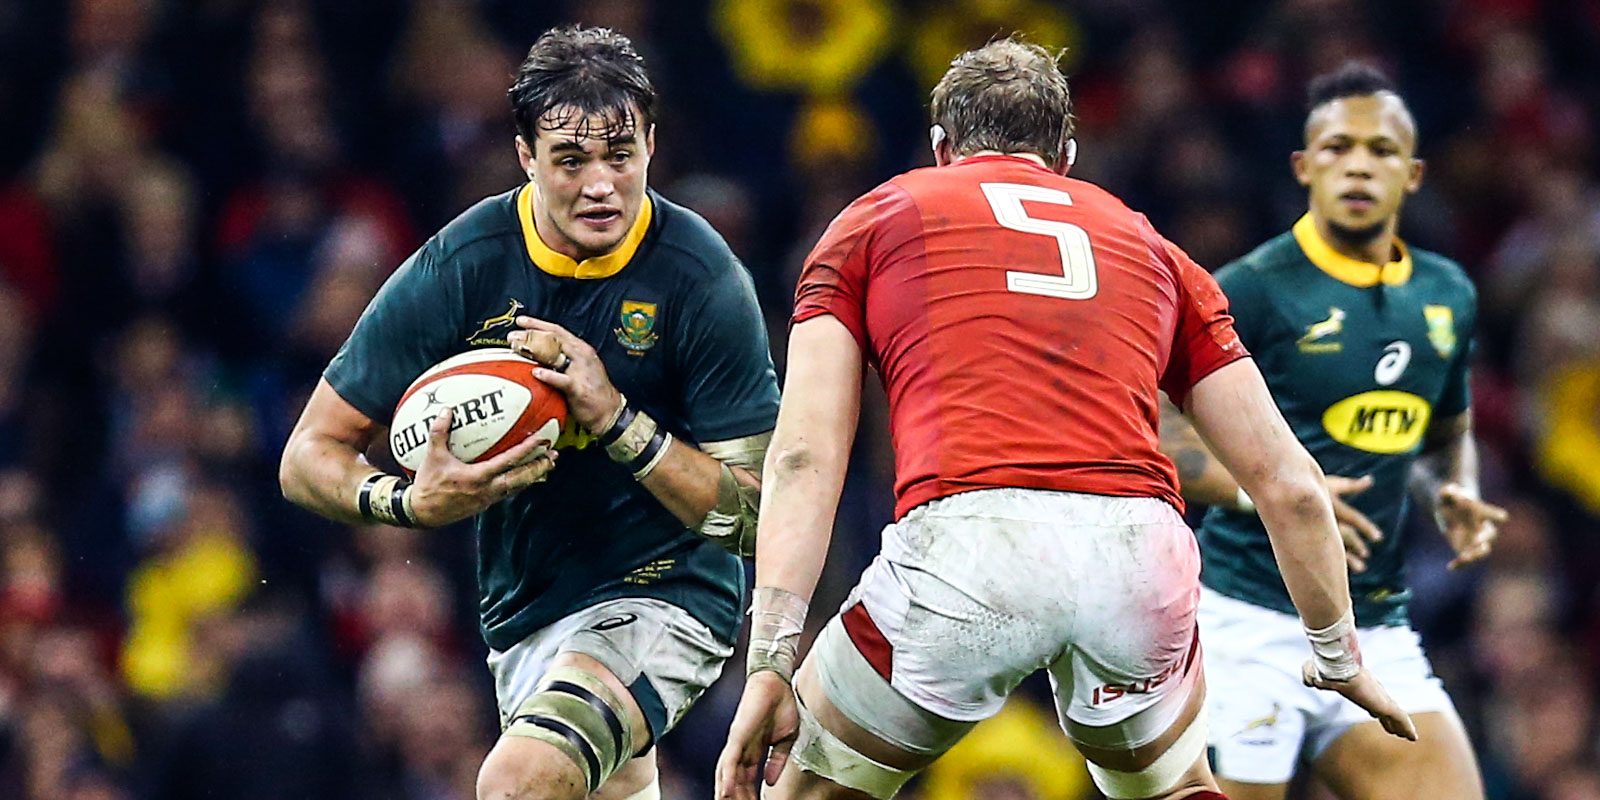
{"x":1034,"y":157}
{"x":1378,"y":250}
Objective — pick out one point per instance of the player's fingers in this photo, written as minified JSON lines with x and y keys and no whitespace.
{"x":519,"y":454}
{"x":1493,"y":513}
{"x":776,"y":758}
{"x":439,"y":435}
{"x":1341,"y":485}
{"x":1349,"y":515}
{"x":559,"y":381}
{"x":1354,"y":545}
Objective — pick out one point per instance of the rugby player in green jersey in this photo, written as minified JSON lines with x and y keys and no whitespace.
{"x":608,"y":595}
{"x":1365,"y":344}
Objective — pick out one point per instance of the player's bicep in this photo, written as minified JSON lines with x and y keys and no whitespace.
{"x":1234,"y":413}
{"x":821,"y":401}
{"x":730,"y":389}
{"x":330,"y":417}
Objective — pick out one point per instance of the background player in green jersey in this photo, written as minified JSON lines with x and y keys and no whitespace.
{"x":1365,"y":345}
{"x":608,"y":597}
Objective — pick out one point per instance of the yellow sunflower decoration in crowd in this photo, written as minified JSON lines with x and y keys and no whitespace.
{"x":815,"y":47}
{"x":970,"y":23}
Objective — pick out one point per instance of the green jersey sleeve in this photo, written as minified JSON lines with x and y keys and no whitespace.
{"x":1457,"y":395}
{"x":408,"y":327}
{"x":1249,"y":303}
{"x":730,"y":388}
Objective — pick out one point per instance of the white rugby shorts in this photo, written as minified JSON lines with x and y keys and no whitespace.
{"x":973,"y":592}
{"x":659,"y":651}
{"x":1264,"y":720}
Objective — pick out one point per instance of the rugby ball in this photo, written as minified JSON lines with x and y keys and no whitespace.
{"x":495,"y":400}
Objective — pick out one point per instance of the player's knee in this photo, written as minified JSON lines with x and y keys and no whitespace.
{"x":529,"y":776}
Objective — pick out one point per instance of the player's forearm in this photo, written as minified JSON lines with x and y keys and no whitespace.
{"x":322,"y":474}
{"x":1235,"y":414}
{"x":799,"y":500}
{"x":1449,"y":456}
{"x":1201,"y":477}
{"x":687,"y":481}
{"x":1298,"y":515}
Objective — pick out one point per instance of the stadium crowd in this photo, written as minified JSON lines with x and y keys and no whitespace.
{"x":198,"y":198}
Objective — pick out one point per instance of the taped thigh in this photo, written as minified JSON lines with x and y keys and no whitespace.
{"x":819,"y":752}
{"x":1162,"y":774}
{"x":575,"y":712}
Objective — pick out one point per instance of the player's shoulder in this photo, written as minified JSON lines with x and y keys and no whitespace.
{"x":489,"y":223}
{"x":1276,"y":259}
{"x":688,"y":246}
{"x":1443,"y":272}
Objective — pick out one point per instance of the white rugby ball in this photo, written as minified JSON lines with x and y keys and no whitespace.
{"x":495,"y":400}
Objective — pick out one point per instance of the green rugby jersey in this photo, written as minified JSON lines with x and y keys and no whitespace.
{"x":1359,"y":359}
{"x":674,"y":317}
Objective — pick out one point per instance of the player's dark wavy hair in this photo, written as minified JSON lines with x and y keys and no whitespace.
{"x":1008,"y":95}
{"x":574,"y":72}
{"x":1350,"y":79}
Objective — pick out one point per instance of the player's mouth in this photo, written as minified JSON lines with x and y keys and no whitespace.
{"x":600,"y":217}
{"x":1358,"y":201}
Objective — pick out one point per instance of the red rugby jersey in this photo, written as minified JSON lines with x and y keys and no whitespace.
{"x":1021,"y":322}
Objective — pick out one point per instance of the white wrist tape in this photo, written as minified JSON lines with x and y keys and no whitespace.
{"x":1334,"y":649}
{"x":777,"y":616}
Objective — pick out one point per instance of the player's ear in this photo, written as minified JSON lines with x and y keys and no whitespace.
{"x":942,"y":155}
{"x":1414,"y":182}
{"x":1301,"y":167}
{"x":1069,"y":156}
{"x":650,"y":141}
{"x":525,"y":156}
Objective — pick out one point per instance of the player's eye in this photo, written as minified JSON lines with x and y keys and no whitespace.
{"x":620,"y":157}
{"x":569,"y":163}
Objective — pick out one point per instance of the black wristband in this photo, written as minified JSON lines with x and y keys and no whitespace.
{"x":364,"y":496}
{"x":613,"y":433}
{"x":397,"y":504}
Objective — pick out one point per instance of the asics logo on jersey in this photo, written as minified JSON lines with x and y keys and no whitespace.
{"x":1334,"y":324}
{"x":493,"y":330}
{"x":1396,"y":356}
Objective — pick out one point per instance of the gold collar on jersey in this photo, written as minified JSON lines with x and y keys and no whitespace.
{"x":563,"y":266}
{"x":1345,"y":268}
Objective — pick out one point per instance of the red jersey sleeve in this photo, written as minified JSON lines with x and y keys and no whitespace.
{"x":1204,"y":340}
{"x":834,"y":277}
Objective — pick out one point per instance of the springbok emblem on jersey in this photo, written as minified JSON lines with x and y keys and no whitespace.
{"x":493,"y":331}
{"x":1264,"y":722}
{"x":1334,"y":324}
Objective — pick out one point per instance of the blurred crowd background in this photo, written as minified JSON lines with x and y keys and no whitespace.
{"x":198,"y":197}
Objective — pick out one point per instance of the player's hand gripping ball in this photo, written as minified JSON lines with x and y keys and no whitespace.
{"x":495,"y":401}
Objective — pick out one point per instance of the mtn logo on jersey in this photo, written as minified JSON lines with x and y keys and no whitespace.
{"x":492,"y":332}
{"x":1441,"y":329}
{"x":637,"y":332}
{"x":1331,"y":326}
{"x":1381,"y":421}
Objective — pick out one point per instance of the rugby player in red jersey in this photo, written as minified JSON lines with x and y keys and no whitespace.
{"x":1022,"y":323}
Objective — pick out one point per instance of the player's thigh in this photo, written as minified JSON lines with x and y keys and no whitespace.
{"x":652,"y":661}
{"x":1366,"y":763}
{"x":819,"y":769}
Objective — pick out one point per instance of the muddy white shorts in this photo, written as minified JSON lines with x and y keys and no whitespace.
{"x":659,"y":651}
{"x":973,"y":592}
{"x":1264,"y":720}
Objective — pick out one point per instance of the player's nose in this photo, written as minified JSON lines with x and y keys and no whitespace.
{"x":598,"y":189}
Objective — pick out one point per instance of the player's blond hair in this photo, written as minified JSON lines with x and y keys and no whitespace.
{"x":1008,"y":95}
